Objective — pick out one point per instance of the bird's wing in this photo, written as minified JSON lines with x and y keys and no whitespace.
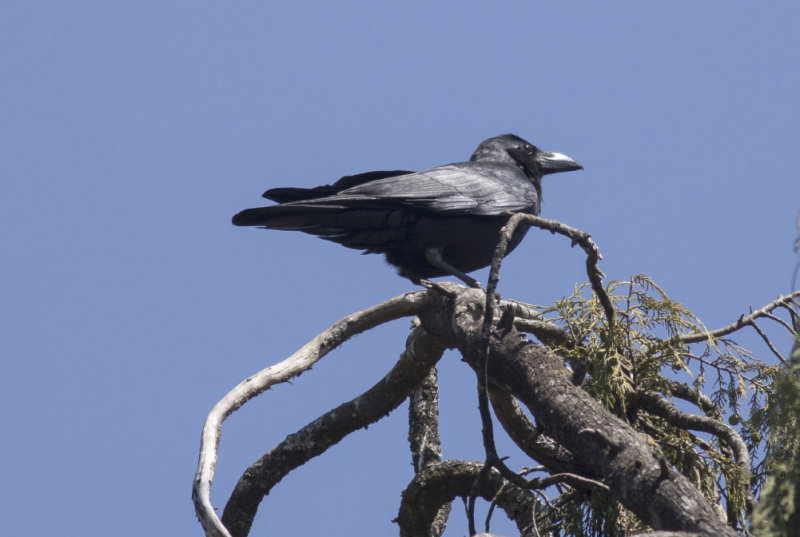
{"x":287,"y":194}
{"x":465,"y":188}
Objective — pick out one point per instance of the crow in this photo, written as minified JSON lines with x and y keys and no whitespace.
{"x":438,"y":222}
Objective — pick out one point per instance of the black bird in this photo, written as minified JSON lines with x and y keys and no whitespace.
{"x":441,"y":221}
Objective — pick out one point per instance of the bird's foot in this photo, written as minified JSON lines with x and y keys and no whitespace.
{"x":427,"y":284}
{"x":435,"y":286}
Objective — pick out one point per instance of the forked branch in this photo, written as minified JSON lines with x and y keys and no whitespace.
{"x":787,"y":302}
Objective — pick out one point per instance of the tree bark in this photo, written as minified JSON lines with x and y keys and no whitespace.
{"x":639,"y":477}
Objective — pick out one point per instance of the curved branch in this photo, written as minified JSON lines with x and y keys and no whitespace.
{"x":581,"y":238}
{"x":422,"y":353}
{"x":744,"y":320}
{"x":546,"y":332}
{"x":441,"y":483}
{"x":300,"y":361}
{"x":658,"y":405}
{"x":701,"y":400}
{"x":530,"y":440}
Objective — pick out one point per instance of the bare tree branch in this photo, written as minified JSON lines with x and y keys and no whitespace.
{"x":423,"y":423}
{"x":546,"y":332}
{"x":573,"y":480}
{"x":440,"y":483}
{"x":423,"y":435}
{"x":530,"y":440}
{"x":422,"y":352}
{"x":583,"y":239}
{"x":744,"y":320}
{"x":401,"y":306}
{"x":767,"y":341}
{"x":658,"y":405}
{"x":701,"y":400}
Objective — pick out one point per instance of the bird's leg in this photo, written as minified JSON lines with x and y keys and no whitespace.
{"x":434,"y":257}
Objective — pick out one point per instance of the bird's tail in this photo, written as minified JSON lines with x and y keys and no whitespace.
{"x":369,"y":229}
{"x":289,"y":217}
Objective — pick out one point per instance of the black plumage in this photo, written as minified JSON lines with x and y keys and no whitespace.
{"x":441,"y":221}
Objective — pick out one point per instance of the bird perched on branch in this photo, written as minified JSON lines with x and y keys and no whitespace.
{"x":438,"y":222}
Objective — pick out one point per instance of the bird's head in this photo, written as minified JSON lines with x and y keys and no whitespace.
{"x":512,"y":149}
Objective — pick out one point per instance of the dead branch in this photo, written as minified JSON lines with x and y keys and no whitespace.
{"x":423,"y":436}
{"x":441,"y":483}
{"x":423,"y":423}
{"x":530,"y":440}
{"x":422,"y":353}
{"x":573,"y":480}
{"x":401,"y":306}
{"x":701,"y":400}
{"x":744,"y":320}
{"x":581,"y":238}
{"x":659,"y":406}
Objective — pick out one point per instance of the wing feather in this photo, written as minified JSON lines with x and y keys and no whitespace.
{"x":466,"y":188}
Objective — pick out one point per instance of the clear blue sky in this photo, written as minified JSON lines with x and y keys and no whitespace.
{"x":131,"y":132}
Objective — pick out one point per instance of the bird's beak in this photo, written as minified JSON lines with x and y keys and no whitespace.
{"x":556,"y":162}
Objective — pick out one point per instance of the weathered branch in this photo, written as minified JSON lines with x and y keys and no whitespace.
{"x":300,"y":361}
{"x":506,"y":323}
{"x":637,"y":476}
{"x":423,"y":423}
{"x":440,"y":483}
{"x":530,"y":440}
{"x":701,"y":400}
{"x":769,"y":344}
{"x":659,"y":406}
{"x":423,"y":436}
{"x":422,"y":353}
{"x":744,"y":320}
{"x":573,"y":480}
{"x":583,"y":239}
{"x":547,"y":333}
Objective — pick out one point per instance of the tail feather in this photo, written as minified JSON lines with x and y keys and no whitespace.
{"x":373,"y":230}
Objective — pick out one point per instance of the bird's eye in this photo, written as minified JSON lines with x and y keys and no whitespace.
{"x":529,"y":149}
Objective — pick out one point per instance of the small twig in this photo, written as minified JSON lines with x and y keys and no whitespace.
{"x":525,"y":470}
{"x":573,"y":480}
{"x":744,"y":320}
{"x":780,"y":321}
{"x":768,"y":342}
{"x":545,"y":499}
{"x":490,"y":511}
{"x":578,"y":237}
